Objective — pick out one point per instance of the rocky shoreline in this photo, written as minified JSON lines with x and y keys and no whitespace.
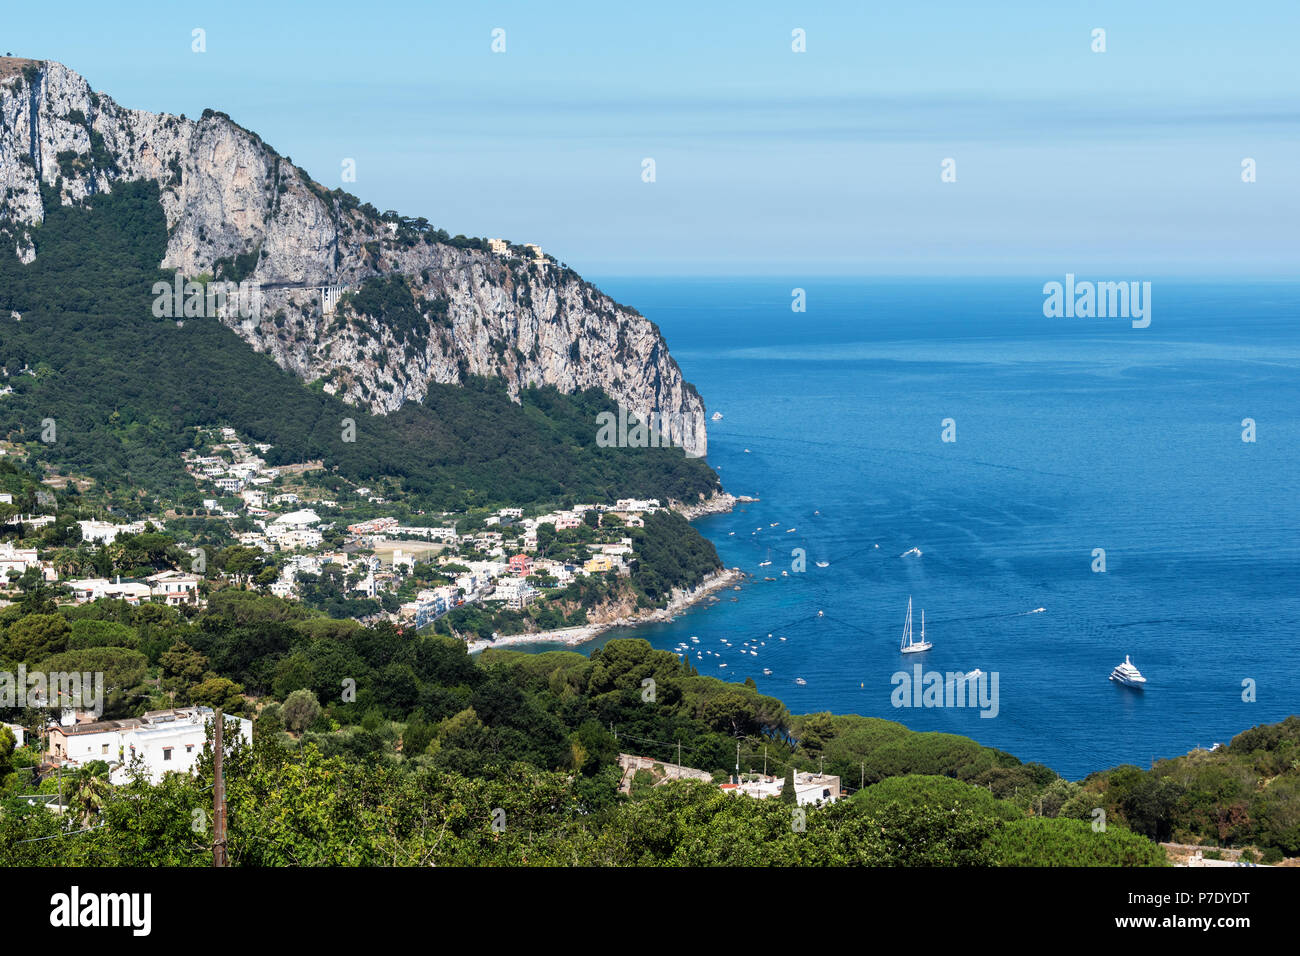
{"x":572,"y":636}
{"x":718,"y":504}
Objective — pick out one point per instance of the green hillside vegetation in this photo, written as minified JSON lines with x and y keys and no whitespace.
{"x":126,"y":390}
{"x":427,"y":720}
{"x":434,"y":740}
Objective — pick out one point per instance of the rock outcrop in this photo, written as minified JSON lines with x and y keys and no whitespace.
{"x":237,"y":210}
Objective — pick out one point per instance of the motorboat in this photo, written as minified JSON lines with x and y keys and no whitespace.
{"x":1128,"y":675}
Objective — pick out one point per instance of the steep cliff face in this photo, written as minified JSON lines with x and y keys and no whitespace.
{"x":236,"y":209}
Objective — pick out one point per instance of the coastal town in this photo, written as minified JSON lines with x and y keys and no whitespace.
{"x":354,"y":551}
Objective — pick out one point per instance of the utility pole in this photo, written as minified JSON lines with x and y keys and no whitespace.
{"x":218,"y":793}
{"x":679,"y":753}
{"x":764,"y":760}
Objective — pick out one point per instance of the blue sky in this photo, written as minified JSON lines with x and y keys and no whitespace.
{"x":767,"y":161}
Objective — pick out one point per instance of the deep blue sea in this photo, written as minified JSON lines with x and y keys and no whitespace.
{"x":1071,"y":435}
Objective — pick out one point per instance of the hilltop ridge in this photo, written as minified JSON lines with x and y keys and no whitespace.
{"x":236,"y":209}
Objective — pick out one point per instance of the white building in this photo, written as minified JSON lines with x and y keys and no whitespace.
{"x":810,"y":788}
{"x":298,"y":519}
{"x":16,"y":559}
{"x":299,"y":538}
{"x":99,"y":531}
{"x":164,"y":741}
{"x":174,"y":587}
{"x":516,"y":592}
{"x":86,"y":590}
{"x":282,"y":588}
{"x":36,"y":521}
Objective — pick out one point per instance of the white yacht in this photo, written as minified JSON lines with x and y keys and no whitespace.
{"x":1127,"y":674}
{"x":909,"y":644}
{"x":717,"y":416}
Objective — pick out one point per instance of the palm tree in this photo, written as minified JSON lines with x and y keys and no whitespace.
{"x":90,"y":791}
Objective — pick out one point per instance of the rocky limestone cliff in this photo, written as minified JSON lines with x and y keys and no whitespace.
{"x":236,"y":209}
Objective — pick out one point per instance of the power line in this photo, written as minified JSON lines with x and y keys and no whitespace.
{"x":56,"y":836}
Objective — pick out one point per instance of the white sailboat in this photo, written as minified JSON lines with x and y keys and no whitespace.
{"x":909,"y":644}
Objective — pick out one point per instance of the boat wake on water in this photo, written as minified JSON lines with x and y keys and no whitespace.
{"x":989,"y":617}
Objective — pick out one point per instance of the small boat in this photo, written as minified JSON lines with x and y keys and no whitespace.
{"x":694,"y":639}
{"x":746,"y":451}
{"x":915,"y":551}
{"x":753,"y":653}
{"x":722,"y":665}
{"x":789,"y":530}
{"x":785,"y":574}
{"x":1038,"y":610}
{"x":769,"y":579}
{"x":1127,"y":674}
{"x":731,"y":534}
{"x":800,"y":681}
{"x":822,"y":564}
{"x":717,"y":416}
{"x":909,"y":644}
{"x":763,"y":564}
{"x":973,"y":675}
{"x":819,"y":614}
{"x":774,"y":524}
{"x":783,"y":638}
{"x":767,"y":671}
{"x":816,"y":512}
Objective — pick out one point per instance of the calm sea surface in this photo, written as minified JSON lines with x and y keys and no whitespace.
{"x":1072,"y":435}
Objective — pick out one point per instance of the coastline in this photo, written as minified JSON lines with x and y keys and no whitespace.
{"x":717,"y":504}
{"x":574,"y":636}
